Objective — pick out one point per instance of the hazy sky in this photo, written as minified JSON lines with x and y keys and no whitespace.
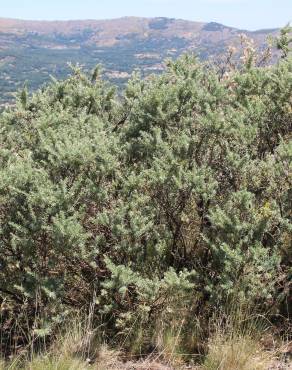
{"x":249,"y":14}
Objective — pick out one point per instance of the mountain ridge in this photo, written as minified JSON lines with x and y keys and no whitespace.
{"x":95,"y":20}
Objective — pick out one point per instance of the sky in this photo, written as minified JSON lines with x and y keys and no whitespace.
{"x":244,"y":14}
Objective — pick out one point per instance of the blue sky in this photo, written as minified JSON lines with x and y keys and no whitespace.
{"x":248,"y":14}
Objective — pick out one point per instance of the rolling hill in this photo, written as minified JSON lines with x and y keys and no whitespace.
{"x":34,"y":50}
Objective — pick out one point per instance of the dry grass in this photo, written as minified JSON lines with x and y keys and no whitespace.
{"x":232,"y":346}
{"x":241,"y":353}
{"x":56,"y":363}
{"x":79,"y":340}
{"x":67,"y":357}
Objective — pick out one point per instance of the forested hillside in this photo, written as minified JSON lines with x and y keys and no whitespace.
{"x":31,"y":51}
{"x":158,"y":211}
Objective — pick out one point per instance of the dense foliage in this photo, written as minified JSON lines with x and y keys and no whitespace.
{"x":169,"y":202}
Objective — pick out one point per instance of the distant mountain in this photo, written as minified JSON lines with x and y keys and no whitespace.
{"x":34,"y":50}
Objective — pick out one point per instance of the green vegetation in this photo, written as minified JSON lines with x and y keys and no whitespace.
{"x":35,"y":65}
{"x":33,"y":51}
{"x":157,"y":212}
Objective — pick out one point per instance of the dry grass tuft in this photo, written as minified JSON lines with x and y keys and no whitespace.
{"x":56,"y":363}
{"x":240,"y":353}
{"x":107,"y":359}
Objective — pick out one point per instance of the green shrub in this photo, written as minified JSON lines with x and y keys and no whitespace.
{"x":176,"y":194}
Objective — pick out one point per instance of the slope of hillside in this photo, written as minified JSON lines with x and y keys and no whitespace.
{"x":34,"y":50}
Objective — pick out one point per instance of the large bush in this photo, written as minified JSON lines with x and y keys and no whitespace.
{"x":168,"y":201}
